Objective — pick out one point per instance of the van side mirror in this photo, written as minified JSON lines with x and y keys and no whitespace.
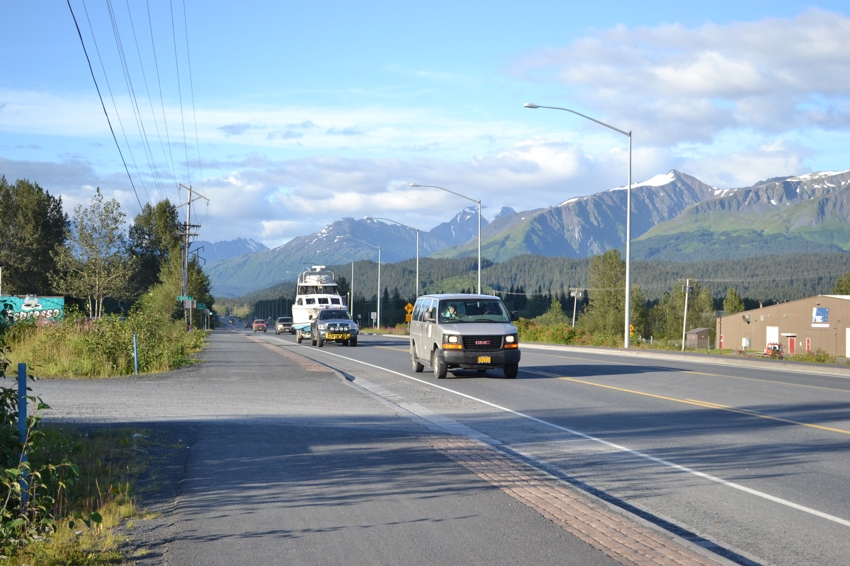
{"x":429,"y":316}
{"x":514,"y":316}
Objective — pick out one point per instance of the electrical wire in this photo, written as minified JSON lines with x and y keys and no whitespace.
{"x":150,"y":100}
{"x":180,"y":93}
{"x":192,"y":90}
{"x":114,"y":105}
{"x":115,"y":139}
{"x":162,"y":101}
{"x":131,"y":89}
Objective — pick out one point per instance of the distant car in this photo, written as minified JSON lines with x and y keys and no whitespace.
{"x":283,"y":324}
{"x":333,"y":325}
{"x":259,"y":324}
{"x":247,"y":325}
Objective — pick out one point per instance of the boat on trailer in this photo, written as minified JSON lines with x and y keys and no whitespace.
{"x":317,"y":290}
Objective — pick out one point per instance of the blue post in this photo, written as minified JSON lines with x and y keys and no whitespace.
{"x":136,"y":354}
{"x":22,"y":424}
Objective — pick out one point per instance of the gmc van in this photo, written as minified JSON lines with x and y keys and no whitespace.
{"x":463,"y":332}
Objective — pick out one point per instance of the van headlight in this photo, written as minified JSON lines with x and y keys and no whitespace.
{"x":452,"y":342}
{"x":511,"y":342}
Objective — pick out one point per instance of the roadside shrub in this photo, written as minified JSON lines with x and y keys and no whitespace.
{"x":561,"y":333}
{"x":818,"y":356}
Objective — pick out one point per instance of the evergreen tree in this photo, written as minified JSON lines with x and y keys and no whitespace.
{"x":33,"y":225}
{"x":734,"y":304}
{"x":606,"y":294}
{"x":153,"y":237}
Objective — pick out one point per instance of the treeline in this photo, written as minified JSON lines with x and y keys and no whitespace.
{"x":91,"y":258}
{"x":528,"y":283}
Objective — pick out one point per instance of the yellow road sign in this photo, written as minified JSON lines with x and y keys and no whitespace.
{"x":408,"y":308}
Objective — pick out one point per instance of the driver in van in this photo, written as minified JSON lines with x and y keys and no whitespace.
{"x":451,"y":311}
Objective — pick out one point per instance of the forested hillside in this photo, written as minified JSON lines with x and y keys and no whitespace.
{"x":776,"y":278}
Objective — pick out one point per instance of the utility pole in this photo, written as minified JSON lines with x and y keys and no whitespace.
{"x":687,"y":290}
{"x":185,"y":234}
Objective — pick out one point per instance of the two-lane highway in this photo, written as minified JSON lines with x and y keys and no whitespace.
{"x":754,"y":460}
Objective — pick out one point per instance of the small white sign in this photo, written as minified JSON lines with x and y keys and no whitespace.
{"x":374,"y":315}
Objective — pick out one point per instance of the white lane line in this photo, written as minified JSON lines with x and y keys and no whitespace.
{"x":617,"y":447}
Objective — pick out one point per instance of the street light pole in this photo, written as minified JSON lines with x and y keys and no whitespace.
{"x":417,"y":244}
{"x":379,"y":273}
{"x":626,"y":340}
{"x":479,"y":222}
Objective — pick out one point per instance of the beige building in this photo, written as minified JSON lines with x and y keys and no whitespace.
{"x":821,"y":322}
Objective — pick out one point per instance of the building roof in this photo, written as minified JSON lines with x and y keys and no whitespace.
{"x":697,"y":330}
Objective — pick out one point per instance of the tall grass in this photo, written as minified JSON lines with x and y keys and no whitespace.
{"x":76,"y":347}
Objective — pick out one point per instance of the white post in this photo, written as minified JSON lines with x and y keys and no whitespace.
{"x":685,"y":321}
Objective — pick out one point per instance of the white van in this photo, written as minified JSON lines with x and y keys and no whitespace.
{"x":463,"y":331}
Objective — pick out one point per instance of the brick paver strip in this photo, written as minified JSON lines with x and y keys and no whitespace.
{"x":617,"y":536}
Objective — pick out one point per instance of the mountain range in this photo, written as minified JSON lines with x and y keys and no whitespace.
{"x":339,"y":242}
{"x":675,"y":217}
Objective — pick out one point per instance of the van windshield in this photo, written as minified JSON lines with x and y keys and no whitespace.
{"x":473,"y":310}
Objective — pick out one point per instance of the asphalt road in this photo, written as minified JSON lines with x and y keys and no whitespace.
{"x":290,"y":463}
{"x":753,"y":459}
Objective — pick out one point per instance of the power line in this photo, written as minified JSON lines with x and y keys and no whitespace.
{"x":162,"y":101}
{"x":192,"y":90}
{"x":79,"y":33}
{"x":114,"y":105}
{"x":179,"y":91}
{"x":134,"y":103}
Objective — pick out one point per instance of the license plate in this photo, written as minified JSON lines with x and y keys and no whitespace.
{"x":338,"y":336}
{"x":483,"y":359}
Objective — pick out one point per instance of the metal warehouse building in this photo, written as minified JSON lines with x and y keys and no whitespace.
{"x":821,"y":322}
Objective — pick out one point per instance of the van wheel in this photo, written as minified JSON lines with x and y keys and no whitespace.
{"x":511,"y":370}
{"x":298,"y":337}
{"x":417,"y":365}
{"x":439,"y":367}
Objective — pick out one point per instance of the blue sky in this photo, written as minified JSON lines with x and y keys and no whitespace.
{"x":297,"y":114}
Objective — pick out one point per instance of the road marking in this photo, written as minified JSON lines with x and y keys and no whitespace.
{"x":697,"y":402}
{"x":612,"y":445}
{"x":705,"y":373}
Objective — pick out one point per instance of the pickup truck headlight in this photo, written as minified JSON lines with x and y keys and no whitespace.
{"x":323,"y":326}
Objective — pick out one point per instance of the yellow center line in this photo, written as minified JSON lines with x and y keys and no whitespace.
{"x":705,"y":404}
{"x":711,"y":374}
{"x":394,"y":349}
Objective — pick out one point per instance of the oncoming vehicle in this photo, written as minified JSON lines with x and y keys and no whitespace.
{"x":463,"y":332}
{"x":333,"y":325}
{"x":259,"y":324}
{"x":284,"y":324}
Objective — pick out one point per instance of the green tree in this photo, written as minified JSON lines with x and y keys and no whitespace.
{"x":152,"y":239}
{"x":606,"y":285}
{"x":734,"y":304}
{"x":95,"y":262}
{"x":842,"y":286}
{"x":555,"y":314}
{"x":33,"y":225}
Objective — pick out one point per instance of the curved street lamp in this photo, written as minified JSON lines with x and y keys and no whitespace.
{"x":479,"y":222}
{"x":417,"y":244}
{"x":628,"y":210}
{"x":379,"y":274}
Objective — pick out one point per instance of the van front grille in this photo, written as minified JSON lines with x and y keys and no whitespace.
{"x":482,"y":343}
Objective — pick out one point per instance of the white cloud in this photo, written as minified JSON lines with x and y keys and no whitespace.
{"x":672,"y":84}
